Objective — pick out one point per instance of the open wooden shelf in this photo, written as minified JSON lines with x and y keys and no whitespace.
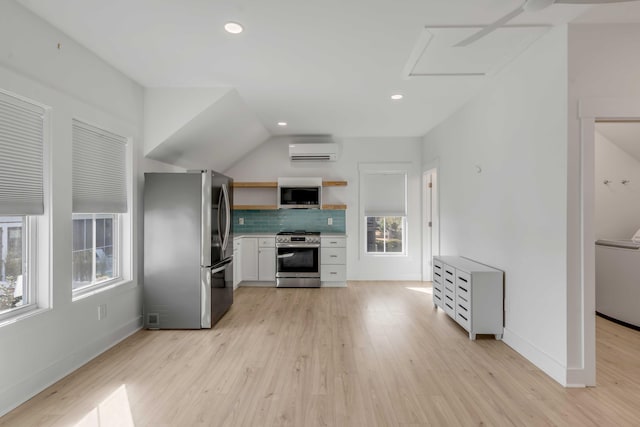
{"x":334,"y":183}
{"x":257,"y":184}
{"x":255,"y":207}
{"x":274,"y":184}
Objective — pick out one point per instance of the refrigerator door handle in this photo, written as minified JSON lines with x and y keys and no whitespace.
{"x":205,"y":226}
{"x":219,"y":219}
{"x":227,"y":209}
{"x":218,"y":269}
{"x":221,"y":265}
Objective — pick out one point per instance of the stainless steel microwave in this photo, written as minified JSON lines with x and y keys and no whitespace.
{"x":299,"y":193}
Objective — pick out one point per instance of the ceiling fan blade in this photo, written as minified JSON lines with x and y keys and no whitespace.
{"x":592,"y":1}
{"x":490,"y":28}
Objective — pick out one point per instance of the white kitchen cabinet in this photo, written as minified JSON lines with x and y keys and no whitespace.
{"x":267,"y":259}
{"x":249,"y":255}
{"x":258,"y":261}
{"x":237,"y":262}
{"x":333,"y":260}
{"x":471,"y":293}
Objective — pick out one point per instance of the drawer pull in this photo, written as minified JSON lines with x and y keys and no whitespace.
{"x":463,"y":299}
{"x":464,"y":308}
{"x":333,"y":256}
{"x":436,"y":296}
{"x":463,"y":279}
{"x":437,"y":274}
{"x":449,"y":272}
{"x":463,"y":289}
{"x":449,"y":281}
{"x":437,"y":266}
{"x":465,"y":319}
{"x":333,"y":272}
{"x":448,"y":306}
{"x":449,"y":298}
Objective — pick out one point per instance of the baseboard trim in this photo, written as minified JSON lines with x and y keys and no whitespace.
{"x":16,"y":394}
{"x":542,"y":360}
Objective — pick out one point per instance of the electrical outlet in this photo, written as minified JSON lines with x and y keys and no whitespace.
{"x":329,"y":221}
{"x":102,"y":311}
{"x":241,"y":221}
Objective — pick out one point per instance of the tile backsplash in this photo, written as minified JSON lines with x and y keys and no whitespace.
{"x":273,"y":221}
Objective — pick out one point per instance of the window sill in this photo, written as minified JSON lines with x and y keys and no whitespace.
{"x":96,"y":289}
{"x":385,"y":255}
{"x":21,"y":315}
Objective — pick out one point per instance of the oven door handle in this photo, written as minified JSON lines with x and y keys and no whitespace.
{"x":289,"y":255}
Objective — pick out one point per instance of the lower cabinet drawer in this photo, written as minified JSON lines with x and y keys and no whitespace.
{"x":333,"y":255}
{"x":449,"y":305}
{"x":333,"y":273}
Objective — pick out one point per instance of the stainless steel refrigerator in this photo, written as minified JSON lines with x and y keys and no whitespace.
{"x":188,"y":250}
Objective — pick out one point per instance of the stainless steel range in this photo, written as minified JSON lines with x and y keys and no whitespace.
{"x":298,"y":259}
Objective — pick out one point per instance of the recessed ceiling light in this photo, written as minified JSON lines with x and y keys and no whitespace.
{"x":233,"y":28}
{"x":397,"y":96}
{"x":282,"y":123}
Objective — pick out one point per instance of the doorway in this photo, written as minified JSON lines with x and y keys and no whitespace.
{"x":430,"y":222}
{"x":591,"y":110}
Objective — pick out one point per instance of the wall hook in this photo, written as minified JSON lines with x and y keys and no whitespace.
{"x":606,"y":182}
{"x":625,"y":181}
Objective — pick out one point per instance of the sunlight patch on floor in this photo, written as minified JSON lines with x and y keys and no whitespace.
{"x":113,"y":411}
{"x":423,"y":290}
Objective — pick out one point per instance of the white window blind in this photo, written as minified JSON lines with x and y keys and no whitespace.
{"x":99,"y":170}
{"x":21,"y":157}
{"x":384,"y":193}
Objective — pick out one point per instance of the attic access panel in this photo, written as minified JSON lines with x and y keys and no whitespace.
{"x":435,"y":53}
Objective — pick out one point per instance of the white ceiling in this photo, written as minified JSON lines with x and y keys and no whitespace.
{"x":325,"y":67}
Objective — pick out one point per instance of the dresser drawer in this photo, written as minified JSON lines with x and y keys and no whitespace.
{"x":267,"y":242}
{"x":449,"y":305}
{"x":449,"y":273}
{"x":463,"y":286}
{"x":333,"y":242}
{"x":438,"y":272}
{"x":438,"y":295}
{"x":333,"y":273}
{"x":463,"y":318}
{"x":333,"y":256}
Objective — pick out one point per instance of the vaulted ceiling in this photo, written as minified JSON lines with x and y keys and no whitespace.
{"x":324,"y":67}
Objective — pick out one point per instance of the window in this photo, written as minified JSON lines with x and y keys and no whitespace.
{"x":22,"y":130}
{"x":13,"y":292}
{"x":385,"y":234}
{"x":383,"y":208}
{"x":99,"y":206}
{"x":95,"y":249}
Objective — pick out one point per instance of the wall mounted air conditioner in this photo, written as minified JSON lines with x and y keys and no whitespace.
{"x":327,"y":152}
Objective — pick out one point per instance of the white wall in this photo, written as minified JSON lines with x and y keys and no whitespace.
{"x":167,"y":110}
{"x":39,"y":350}
{"x":512,"y":215}
{"x":603,"y":64}
{"x":271,"y":160}
{"x":617,"y":207}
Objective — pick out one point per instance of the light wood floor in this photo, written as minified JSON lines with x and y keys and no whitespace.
{"x":372,"y":354}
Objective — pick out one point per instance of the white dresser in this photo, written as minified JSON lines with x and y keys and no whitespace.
{"x":471,"y":293}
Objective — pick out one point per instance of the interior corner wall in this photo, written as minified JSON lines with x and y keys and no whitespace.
{"x":502,"y":193}
{"x":602,"y":63}
{"x":617,"y":206}
{"x":271,"y":160}
{"x":38,"y":350}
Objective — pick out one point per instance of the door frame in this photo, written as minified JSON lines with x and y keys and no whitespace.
{"x":590,"y":111}
{"x":430,"y":212}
